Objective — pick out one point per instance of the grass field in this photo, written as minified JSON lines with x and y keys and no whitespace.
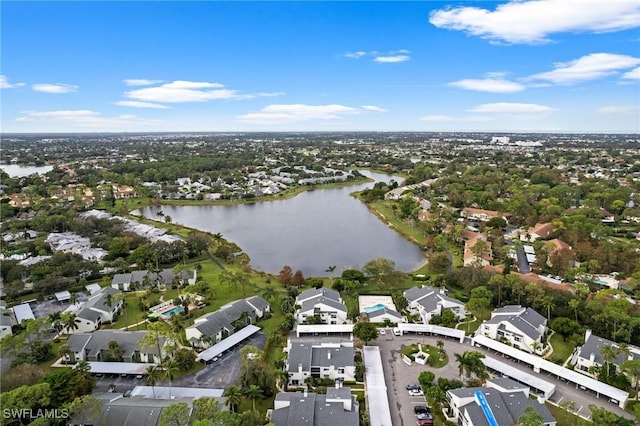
{"x":564,"y":418}
{"x":561,"y":350}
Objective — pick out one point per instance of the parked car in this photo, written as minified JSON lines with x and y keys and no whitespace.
{"x":416,"y":392}
{"x":413,"y":386}
{"x":382,"y":332}
{"x":396,"y":331}
{"x":425,"y":416}
{"x":421,"y":409}
{"x":425,"y":422}
{"x":127,"y":393}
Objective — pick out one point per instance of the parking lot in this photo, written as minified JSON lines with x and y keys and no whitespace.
{"x":398,"y":375}
{"x":217,"y":375}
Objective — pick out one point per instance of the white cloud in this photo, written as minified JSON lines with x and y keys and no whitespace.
{"x":392,"y":56}
{"x":355,"y":55}
{"x":4,"y":83}
{"x":634,"y":74}
{"x":190,"y":91}
{"x":512,"y":108}
{"x":85,"y":120}
{"x":54,"y":88}
{"x":588,"y":67}
{"x":140,"y":104}
{"x":373,"y":108}
{"x":494,"y":83}
{"x":617,"y":109}
{"x":533,"y":21}
{"x":391,"y":59}
{"x":290,"y":113}
{"x":140,"y":82}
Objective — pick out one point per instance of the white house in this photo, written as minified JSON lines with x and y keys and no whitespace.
{"x":590,"y":353}
{"x":329,"y":360}
{"x":523,"y":328}
{"x":320,"y":306}
{"x":101,"y":308}
{"x":93,"y":346}
{"x":385,"y":313}
{"x":215,"y":326}
{"x":505,"y":399}
{"x":428,"y":301}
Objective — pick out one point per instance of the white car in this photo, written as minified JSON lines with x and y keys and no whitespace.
{"x":381,"y":331}
{"x":416,"y":392}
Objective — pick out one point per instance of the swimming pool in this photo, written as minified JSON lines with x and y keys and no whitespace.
{"x":374,"y":308}
{"x":173,"y":311}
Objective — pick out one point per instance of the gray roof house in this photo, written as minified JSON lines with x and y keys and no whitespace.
{"x":95,"y":311}
{"x":215,"y":326}
{"x":321,"y":306}
{"x":429,"y":301}
{"x":590,"y":353}
{"x":521,"y":327}
{"x":506,"y":399}
{"x":92,"y":346}
{"x":152,"y":279}
{"x":337,"y":408}
{"x":327,"y":359}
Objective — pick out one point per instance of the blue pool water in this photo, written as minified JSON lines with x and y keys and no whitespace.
{"x":173,"y":311}
{"x":374,"y":308}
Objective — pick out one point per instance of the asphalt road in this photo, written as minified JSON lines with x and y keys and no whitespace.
{"x":398,"y":375}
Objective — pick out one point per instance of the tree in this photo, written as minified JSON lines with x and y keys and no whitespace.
{"x":234,"y":397}
{"x":205,"y":408}
{"x":530,"y":417}
{"x":365,"y":331}
{"x":115,"y":353}
{"x":631,"y":368}
{"x":547,"y":303}
{"x":609,"y":353}
{"x":86,"y":409}
{"x":565,"y":327}
{"x":331,"y":269}
{"x":169,"y":367}
{"x":152,"y":375}
{"x":174,"y":414}
{"x":426,"y":379}
{"x":285,"y":276}
{"x":574,"y":304}
{"x":34,"y":397}
{"x":470,"y":362}
{"x":298,"y":279}
{"x":253,"y":392}
{"x":269,"y":293}
{"x":439,"y":262}
{"x":440,"y":345}
{"x":69,"y":321}
{"x":480,"y":301}
{"x":185,"y":359}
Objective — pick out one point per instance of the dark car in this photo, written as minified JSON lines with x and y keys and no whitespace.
{"x":425,"y":422}
{"x":413,"y":386}
{"x":421,"y":409}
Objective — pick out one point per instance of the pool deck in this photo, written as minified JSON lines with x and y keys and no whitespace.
{"x":365,"y":302}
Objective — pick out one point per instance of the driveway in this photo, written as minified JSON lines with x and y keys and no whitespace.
{"x":398,"y":375}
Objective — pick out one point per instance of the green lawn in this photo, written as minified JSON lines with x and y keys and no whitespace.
{"x":561,"y":350}
{"x":386,"y":213}
{"x":564,"y":418}
{"x":434,"y":354}
{"x":470,"y":327}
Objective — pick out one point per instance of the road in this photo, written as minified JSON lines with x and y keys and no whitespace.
{"x":398,"y":375}
{"x":523,"y":265}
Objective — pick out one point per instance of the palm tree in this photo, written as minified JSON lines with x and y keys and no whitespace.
{"x":234,"y":397}
{"x":440,"y":345}
{"x":152,"y":377}
{"x":82,"y":368}
{"x":470,"y":362}
{"x":229,"y":278}
{"x":269,"y":293}
{"x":547,"y":303}
{"x":169,"y":367}
{"x":56,"y":320}
{"x":73,"y":298}
{"x":609,"y":353}
{"x":282,"y":378}
{"x":70,"y":321}
{"x":331,"y":269}
{"x":623,"y":348}
{"x":253,"y":392}
{"x":575,"y":304}
{"x":464,"y":364}
{"x":632,"y":369}
{"x":64,"y":351}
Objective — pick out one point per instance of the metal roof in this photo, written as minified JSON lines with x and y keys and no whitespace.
{"x":572,"y":376}
{"x":61,"y":296}
{"x":377,"y":400}
{"x":162,"y":392}
{"x":521,"y":376}
{"x":99,"y":367}
{"x":430,"y":328}
{"x":23,"y":312}
{"x":225,"y":344}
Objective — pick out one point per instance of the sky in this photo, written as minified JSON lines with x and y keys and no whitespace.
{"x":208,"y":66}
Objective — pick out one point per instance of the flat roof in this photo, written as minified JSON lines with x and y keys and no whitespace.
{"x":323,"y":328}
{"x":430,"y":328}
{"x":23,"y":312}
{"x":162,"y":392}
{"x":587,"y":382}
{"x":100,"y":367}
{"x":521,"y":376}
{"x":61,"y":296}
{"x":225,"y":344}
{"x":93,"y":288}
{"x":377,"y":399}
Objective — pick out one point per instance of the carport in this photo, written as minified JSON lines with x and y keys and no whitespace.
{"x":63,"y":296}
{"x":120,"y":368}
{"x":226,"y":344}
{"x":540,"y":386}
{"x":432,"y":329}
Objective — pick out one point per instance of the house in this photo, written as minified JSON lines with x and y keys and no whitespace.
{"x":590,"y":353}
{"x":480,"y":215}
{"x":541,"y":230}
{"x":329,"y":360}
{"x":95,"y":346}
{"x":100,"y":308}
{"x":337,"y":407}
{"x":320,"y":306}
{"x":67,"y":242}
{"x":504,"y":401}
{"x":523,"y":328}
{"x":383,"y":314}
{"x":428,"y":301}
{"x":145,"y":278}
{"x":5,"y":324}
{"x":215,"y":326}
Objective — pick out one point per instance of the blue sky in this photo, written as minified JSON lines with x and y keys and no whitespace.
{"x":527,"y":65}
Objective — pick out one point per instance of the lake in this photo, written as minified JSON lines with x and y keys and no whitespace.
{"x":14,"y":170}
{"x":310,"y":232}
